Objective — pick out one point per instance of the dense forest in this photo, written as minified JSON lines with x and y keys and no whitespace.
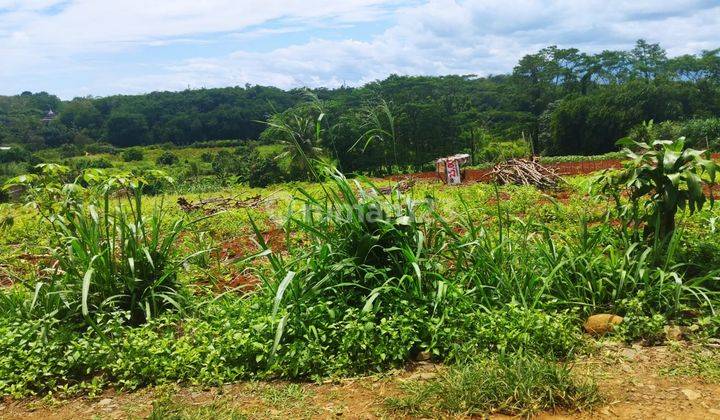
{"x":556,"y":101}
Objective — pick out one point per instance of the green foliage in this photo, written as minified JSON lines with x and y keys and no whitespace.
{"x":300,"y":131}
{"x":110,"y":256}
{"x":126,"y":129}
{"x":363,"y":281}
{"x":85,"y":163}
{"x":513,"y":385}
{"x":14,"y":154}
{"x":264,"y":172}
{"x":502,"y":151}
{"x":167,"y":159}
{"x":639,"y":325}
{"x":670,"y":176}
{"x":133,"y":154}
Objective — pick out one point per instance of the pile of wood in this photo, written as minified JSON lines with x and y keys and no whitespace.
{"x":217,"y":204}
{"x":525,"y":172}
{"x":404,"y":185}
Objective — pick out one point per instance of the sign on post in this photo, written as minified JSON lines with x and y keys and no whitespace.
{"x":448,"y":168}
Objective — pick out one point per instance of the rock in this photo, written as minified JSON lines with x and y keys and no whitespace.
{"x":423,"y":356}
{"x":673,"y":333}
{"x":629,"y":354}
{"x":601,"y":324}
{"x":104,"y":402}
{"x":690,"y":394}
{"x":423,"y":376}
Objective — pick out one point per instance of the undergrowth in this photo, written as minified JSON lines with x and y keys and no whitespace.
{"x":514,"y":385}
{"x":363,"y":282}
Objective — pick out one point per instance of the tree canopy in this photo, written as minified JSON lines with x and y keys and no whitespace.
{"x":560,"y":100}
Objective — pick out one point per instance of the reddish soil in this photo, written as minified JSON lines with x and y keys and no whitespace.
{"x":244,"y":282}
{"x":245,"y":245}
{"x":563,"y":168}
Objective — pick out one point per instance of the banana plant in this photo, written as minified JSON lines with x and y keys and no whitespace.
{"x":671,"y":178}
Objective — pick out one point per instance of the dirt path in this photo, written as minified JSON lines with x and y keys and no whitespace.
{"x":635,"y":382}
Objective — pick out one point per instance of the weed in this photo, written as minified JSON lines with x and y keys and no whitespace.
{"x":513,"y":385}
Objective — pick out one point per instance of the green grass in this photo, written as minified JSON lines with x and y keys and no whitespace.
{"x":466,"y":274}
{"x":514,"y":385}
{"x":701,"y":363}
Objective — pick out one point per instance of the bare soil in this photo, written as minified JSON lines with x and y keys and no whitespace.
{"x":633,"y":382}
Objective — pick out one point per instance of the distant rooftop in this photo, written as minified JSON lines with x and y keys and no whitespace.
{"x":49,"y":116}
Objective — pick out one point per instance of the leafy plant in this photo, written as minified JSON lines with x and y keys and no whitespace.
{"x":379,"y":127}
{"x":133,"y":154}
{"x":110,"y":255}
{"x":167,"y":159}
{"x":670,"y":176}
{"x":300,"y":132}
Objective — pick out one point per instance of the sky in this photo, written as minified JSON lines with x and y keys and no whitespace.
{"x":96,"y":47}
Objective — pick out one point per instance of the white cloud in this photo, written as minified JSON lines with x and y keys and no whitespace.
{"x":431,"y":37}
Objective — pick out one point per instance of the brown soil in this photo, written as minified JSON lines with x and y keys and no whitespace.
{"x":630,"y":379}
{"x":563,"y":168}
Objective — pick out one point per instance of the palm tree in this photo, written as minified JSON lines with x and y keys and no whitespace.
{"x":299,"y":130}
{"x":379,"y":124}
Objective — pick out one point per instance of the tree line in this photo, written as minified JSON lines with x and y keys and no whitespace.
{"x":556,"y":101}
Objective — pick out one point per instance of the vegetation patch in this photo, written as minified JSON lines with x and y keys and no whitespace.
{"x":513,"y":385}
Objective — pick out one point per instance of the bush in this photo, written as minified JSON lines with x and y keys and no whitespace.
{"x":86,"y":163}
{"x":110,"y":257}
{"x":133,"y":154}
{"x":226,"y":165}
{"x":264,"y":172}
{"x":501,"y":151}
{"x":167,"y":159}
{"x":69,"y":150}
{"x":15,"y":154}
{"x":97,"y":148}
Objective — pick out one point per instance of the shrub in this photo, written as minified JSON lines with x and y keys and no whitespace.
{"x":14,"y":155}
{"x":167,"y":159}
{"x":226,"y":165}
{"x":69,"y":150}
{"x":110,"y":256}
{"x":85,"y":163}
{"x":96,"y":148}
{"x":670,"y":175}
{"x":264,"y":172}
{"x":133,"y":154}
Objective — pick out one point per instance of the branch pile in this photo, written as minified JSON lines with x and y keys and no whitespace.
{"x":217,"y":204}
{"x":403,"y":186}
{"x":525,"y":172}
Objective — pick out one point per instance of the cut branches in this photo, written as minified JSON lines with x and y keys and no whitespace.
{"x":524,"y":172}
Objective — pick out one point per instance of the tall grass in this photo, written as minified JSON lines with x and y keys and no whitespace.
{"x":109,"y":256}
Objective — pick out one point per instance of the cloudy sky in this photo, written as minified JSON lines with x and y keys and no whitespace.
{"x":101,"y":47}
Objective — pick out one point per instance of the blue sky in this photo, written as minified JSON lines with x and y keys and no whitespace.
{"x":97,"y":47}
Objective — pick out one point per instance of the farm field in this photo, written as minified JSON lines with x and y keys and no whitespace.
{"x":358,"y":297}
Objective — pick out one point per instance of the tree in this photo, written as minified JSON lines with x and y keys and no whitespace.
{"x":299,"y":130}
{"x":126,"y":129}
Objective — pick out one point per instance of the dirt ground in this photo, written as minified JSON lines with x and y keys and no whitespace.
{"x":635,"y":383}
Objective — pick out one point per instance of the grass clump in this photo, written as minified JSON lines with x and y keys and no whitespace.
{"x":513,"y":385}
